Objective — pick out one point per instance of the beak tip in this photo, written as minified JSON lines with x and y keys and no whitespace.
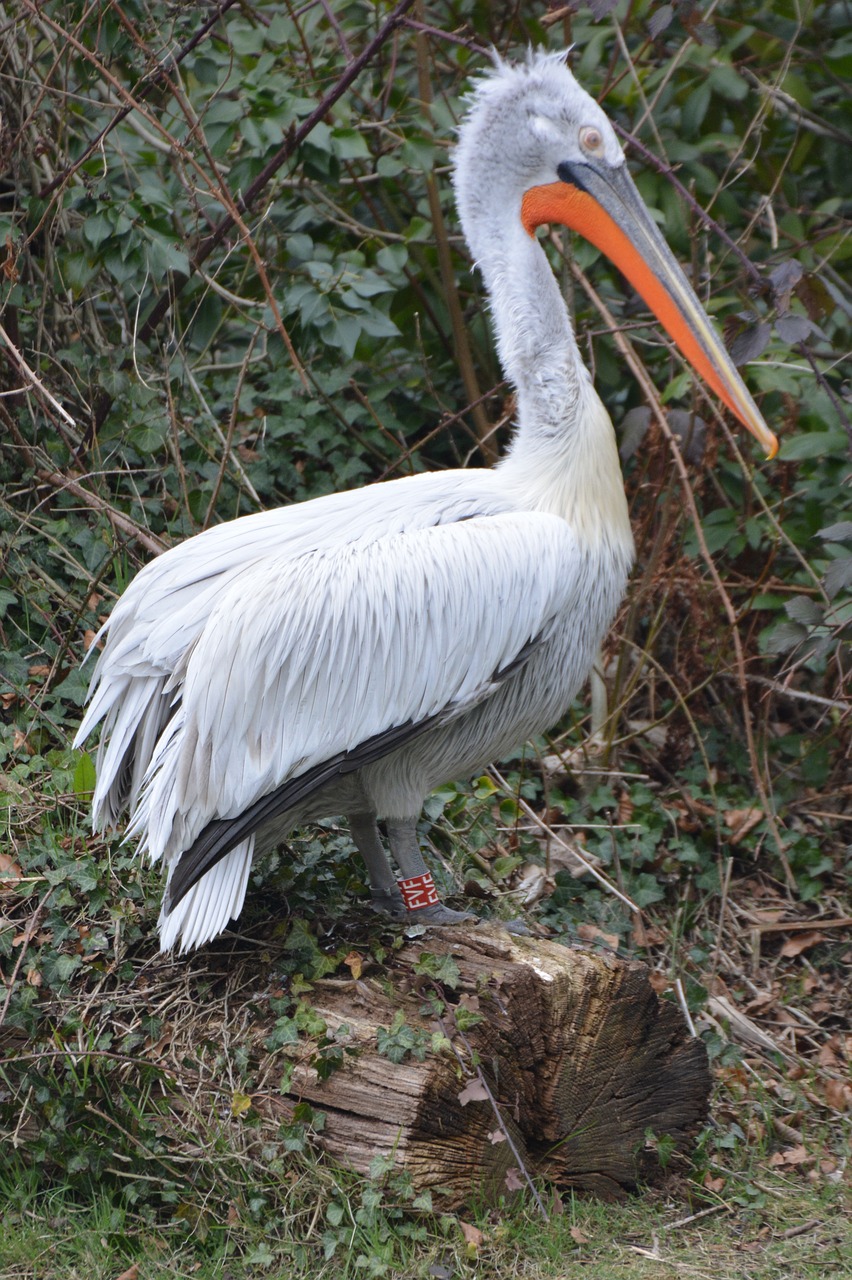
{"x":769,"y":440}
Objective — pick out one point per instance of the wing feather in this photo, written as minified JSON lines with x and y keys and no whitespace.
{"x":302,"y":660}
{"x":153,"y":627}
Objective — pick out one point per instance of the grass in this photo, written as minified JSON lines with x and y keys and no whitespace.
{"x":789,"y":1228}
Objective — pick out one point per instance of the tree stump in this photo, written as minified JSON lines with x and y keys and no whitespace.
{"x":573,"y":1064}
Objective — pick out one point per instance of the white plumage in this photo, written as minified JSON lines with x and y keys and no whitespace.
{"x":347,"y":655}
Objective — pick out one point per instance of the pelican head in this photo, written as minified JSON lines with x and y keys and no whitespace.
{"x":537,"y":148}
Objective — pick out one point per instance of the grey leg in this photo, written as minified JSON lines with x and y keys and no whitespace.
{"x":405,"y":847}
{"x":383,"y":887}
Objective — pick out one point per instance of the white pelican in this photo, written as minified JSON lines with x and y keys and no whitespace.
{"x":348,"y":654}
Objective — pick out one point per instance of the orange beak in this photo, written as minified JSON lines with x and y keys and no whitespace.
{"x":603,"y":205}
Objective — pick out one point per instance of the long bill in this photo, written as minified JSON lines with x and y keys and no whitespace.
{"x":602,"y":204}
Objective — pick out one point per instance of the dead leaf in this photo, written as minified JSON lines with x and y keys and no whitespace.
{"x":39,"y":669}
{"x":838,"y":1094}
{"x":801,"y":942}
{"x":495,"y":1136}
{"x":591,"y":933}
{"x":792,"y":1158}
{"x":9,"y":264}
{"x":532,"y":884}
{"x":828,"y":1055}
{"x":716,"y":1185}
{"x":474,"y":1091}
{"x":741,"y":822}
{"x":513,"y":1180}
{"x":473,"y":1236}
{"x":34,"y":978}
{"x":10,"y":873}
{"x":578,"y":1236}
{"x":354,"y":963}
{"x":132,"y":1273}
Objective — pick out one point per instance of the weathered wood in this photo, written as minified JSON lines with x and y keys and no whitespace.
{"x":582,"y":1059}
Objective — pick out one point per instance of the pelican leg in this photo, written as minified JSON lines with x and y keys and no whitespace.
{"x":405,"y":847}
{"x":384,"y":890}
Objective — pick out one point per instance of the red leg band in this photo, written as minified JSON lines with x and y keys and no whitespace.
{"x":419,"y":892}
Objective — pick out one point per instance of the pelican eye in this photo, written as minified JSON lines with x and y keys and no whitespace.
{"x":591,"y":140}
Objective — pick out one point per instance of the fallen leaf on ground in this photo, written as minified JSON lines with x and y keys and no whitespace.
{"x":578,"y":1236}
{"x":741,"y":822}
{"x":472,"y":1234}
{"x":801,"y":942}
{"x":513,"y":1180}
{"x":792,"y":1157}
{"x":838,"y":1094}
{"x":591,"y":933}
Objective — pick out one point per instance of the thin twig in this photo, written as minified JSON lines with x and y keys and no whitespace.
{"x":832,"y":704}
{"x":504,"y":1128}
{"x":33,"y":379}
{"x":640,"y":373}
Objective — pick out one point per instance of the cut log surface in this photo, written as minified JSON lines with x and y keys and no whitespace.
{"x":574,"y":1064}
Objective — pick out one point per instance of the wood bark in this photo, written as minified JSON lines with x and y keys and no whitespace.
{"x":586,"y":1069}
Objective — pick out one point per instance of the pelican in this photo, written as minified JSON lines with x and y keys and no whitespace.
{"x":346,"y":655}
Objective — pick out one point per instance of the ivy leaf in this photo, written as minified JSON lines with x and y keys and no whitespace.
{"x":240,"y":1104}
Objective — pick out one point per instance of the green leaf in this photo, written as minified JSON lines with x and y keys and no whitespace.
{"x":813,"y":444}
{"x":839,"y":532}
{"x":85,"y":776}
{"x":96,"y":229}
{"x":728,"y":82}
{"x":804,"y":609}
